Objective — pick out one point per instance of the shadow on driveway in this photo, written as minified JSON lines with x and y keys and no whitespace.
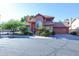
{"x":15,"y":36}
{"x":66,"y":36}
{"x":57,"y":36}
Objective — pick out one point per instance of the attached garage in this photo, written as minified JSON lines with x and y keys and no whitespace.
{"x":60,"y":28}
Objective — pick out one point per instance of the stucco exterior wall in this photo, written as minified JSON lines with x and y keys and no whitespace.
{"x":39,"y":18}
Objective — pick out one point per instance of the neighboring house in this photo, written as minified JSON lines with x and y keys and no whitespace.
{"x":40,"y":21}
{"x":74,"y":24}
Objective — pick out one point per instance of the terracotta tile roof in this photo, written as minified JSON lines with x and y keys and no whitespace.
{"x":48,"y":23}
{"x":45,"y":16}
{"x":60,"y":24}
{"x":33,"y":19}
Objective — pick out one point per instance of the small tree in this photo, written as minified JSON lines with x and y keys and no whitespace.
{"x":24,"y":30}
{"x":31,"y":17}
{"x":23,"y":19}
{"x":11,"y":25}
{"x":0,"y":26}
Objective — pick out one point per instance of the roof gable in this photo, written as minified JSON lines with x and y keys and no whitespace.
{"x":44,"y":16}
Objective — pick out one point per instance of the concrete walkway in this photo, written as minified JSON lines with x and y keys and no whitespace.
{"x":53,"y":46}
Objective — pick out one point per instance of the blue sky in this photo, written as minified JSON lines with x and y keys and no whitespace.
{"x":59,"y":11}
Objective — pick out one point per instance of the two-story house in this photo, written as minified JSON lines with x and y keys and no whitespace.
{"x":40,"y":21}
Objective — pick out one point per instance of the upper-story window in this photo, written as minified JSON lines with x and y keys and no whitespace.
{"x":48,"y":20}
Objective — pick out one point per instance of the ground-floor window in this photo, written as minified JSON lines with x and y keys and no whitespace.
{"x":50,"y":28}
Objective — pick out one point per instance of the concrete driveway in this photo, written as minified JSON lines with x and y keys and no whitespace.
{"x":59,"y":45}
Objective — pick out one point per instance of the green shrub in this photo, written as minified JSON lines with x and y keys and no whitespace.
{"x":25,"y":33}
{"x":28,"y":33}
{"x":44,"y":32}
{"x":23,"y":29}
{"x":52,"y":33}
{"x":73,"y":33}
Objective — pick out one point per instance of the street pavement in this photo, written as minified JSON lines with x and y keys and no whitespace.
{"x":54,"y":46}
